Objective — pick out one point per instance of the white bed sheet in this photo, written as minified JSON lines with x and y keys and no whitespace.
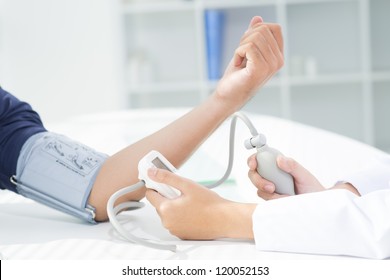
{"x":32,"y":231}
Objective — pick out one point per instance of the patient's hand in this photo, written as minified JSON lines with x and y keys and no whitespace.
{"x":304,"y":181}
{"x":258,"y":57}
{"x":199,"y":213}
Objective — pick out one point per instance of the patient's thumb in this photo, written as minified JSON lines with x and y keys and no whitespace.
{"x":255,"y":20}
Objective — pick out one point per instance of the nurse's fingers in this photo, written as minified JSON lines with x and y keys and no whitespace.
{"x":252,"y":162}
{"x":169,"y":178}
{"x":292,"y":167}
{"x":263,"y":186}
{"x":154,"y":198}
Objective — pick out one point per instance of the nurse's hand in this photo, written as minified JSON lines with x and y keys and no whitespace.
{"x":199,"y":213}
{"x":304,"y":181}
{"x":257,"y":58}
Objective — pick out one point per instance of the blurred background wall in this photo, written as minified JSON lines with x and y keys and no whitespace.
{"x":62,"y":56}
{"x":85,"y":56}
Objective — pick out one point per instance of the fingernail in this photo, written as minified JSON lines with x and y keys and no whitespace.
{"x":251,"y":163}
{"x":288,"y":162}
{"x":284,"y":162}
{"x":281,"y":157}
{"x":152,"y":171}
{"x":269,"y":188}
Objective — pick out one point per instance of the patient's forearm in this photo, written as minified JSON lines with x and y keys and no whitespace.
{"x":177,"y":142}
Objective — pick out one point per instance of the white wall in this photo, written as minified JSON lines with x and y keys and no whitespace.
{"x":63,"y":56}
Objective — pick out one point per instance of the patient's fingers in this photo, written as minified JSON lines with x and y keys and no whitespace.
{"x":276,"y":31}
{"x":249,"y":53}
{"x":266,"y":42}
{"x":255,"y":20}
{"x":274,"y":44}
{"x":273,"y":29}
{"x":259,"y":48}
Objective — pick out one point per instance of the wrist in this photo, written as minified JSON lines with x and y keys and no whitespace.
{"x":222,"y":104}
{"x":346,"y":186}
{"x":228,"y":100}
{"x":237,"y":220}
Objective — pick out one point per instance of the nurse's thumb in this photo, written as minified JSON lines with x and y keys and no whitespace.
{"x":290,"y":166}
{"x":168,"y":178}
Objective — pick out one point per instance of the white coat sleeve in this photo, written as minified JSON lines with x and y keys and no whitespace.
{"x":375,"y":178}
{"x":334,"y":222}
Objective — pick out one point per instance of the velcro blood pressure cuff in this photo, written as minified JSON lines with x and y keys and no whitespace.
{"x":58,"y":172}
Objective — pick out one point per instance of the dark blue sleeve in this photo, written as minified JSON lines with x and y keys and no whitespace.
{"x":18,"y":121}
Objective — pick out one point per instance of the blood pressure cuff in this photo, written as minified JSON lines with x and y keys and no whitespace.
{"x":58,"y":172}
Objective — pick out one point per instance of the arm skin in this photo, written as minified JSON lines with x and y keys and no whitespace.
{"x":258,"y":57}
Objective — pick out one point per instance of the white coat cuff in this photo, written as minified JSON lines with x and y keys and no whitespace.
{"x":370,"y":180}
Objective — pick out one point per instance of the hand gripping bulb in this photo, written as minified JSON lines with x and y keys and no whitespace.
{"x":267,"y":166}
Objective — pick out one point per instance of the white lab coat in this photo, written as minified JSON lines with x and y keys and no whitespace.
{"x":334,"y":222}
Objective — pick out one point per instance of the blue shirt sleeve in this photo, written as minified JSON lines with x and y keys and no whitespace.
{"x":18,"y":122}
